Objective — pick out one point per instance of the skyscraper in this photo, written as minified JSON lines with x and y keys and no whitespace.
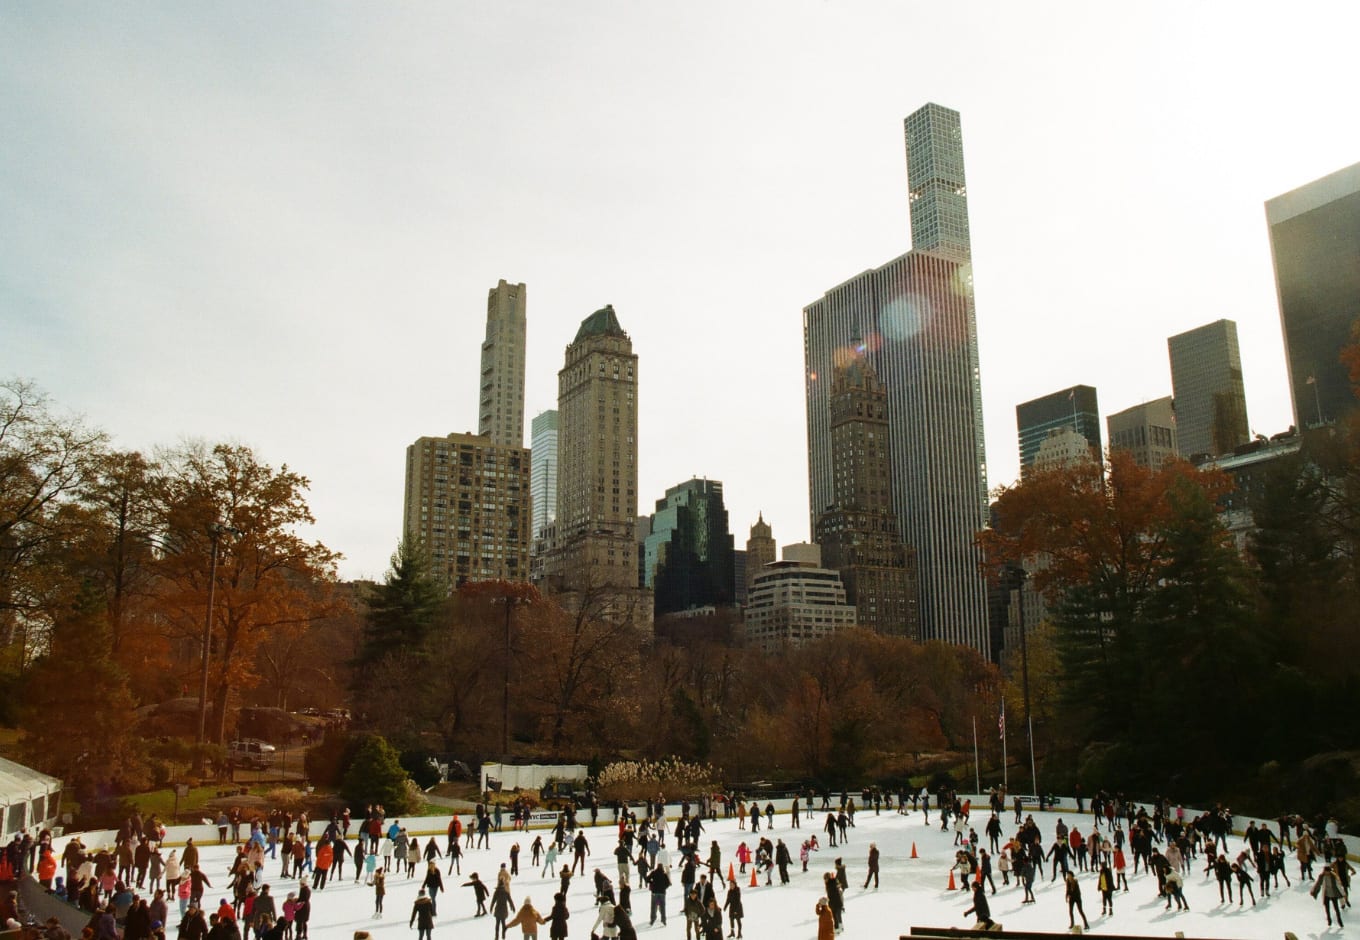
{"x":1315,"y":240}
{"x":1148,"y":431}
{"x":916,"y":317}
{"x":467,"y":502}
{"x":595,"y":542}
{"x":1076,"y":407}
{"x":1206,"y":383}
{"x":500,"y":384}
{"x":858,"y":535}
{"x":543,"y":469}
{"x":760,"y":549}
{"x":689,"y":549}
{"x":795,"y":601}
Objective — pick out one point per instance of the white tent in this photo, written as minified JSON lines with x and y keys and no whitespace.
{"x":28,"y":799}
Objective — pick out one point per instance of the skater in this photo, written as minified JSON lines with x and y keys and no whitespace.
{"x":527,"y":919}
{"x":433,"y":883}
{"x":502,"y":906}
{"x":1074,"y":903}
{"x":732,"y":903}
{"x":379,"y":892}
{"x":980,"y":908}
{"x":422,"y":916}
{"x":479,"y":892}
{"x":557,"y":917}
{"x":605,"y":925}
{"x":1105,"y":882}
{"x":873,"y":868}
{"x":826,"y":921}
{"x":1328,"y":886}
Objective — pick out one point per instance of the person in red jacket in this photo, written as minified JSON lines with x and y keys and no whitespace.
{"x":325,"y":854}
{"x":47,"y":867}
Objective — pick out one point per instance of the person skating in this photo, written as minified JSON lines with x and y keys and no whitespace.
{"x":1105,"y":884}
{"x":835,"y":899}
{"x":694,"y":914}
{"x":606,"y":924}
{"x":432,"y":885}
{"x":1172,"y":885}
{"x":527,"y":920}
{"x":580,"y":849}
{"x":1243,"y":885}
{"x":1328,"y":887}
{"x":826,"y":920}
{"x":1073,"y":893}
{"x":732,"y":904}
{"x":379,"y":892}
{"x":659,"y":882}
{"x":558,"y":917}
{"x":502,"y":906}
{"x":980,"y":907}
{"x":422,"y":916}
{"x":873,"y":867}
{"x":479,"y":892}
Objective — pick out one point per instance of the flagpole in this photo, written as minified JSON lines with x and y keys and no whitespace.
{"x":1032,"y":774}
{"x":1005,"y":769}
{"x":977,"y":773}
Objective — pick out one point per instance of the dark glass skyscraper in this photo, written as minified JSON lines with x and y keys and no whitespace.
{"x":1315,"y":241}
{"x":1076,"y":407}
{"x":688,"y":555}
{"x":916,"y":318}
{"x":1207,"y":386}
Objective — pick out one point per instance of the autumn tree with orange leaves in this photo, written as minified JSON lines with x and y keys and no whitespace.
{"x":270,"y":581}
{"x":1151,"y":604}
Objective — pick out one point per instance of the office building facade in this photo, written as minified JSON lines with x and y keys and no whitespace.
{"x":595,"y":542}
{"x":918,"y":326}
{"x":467,"y":502}
{"x":794,"y":602}
{"x":543,"y":468}
{"x":1077,"y":408}
{"x":1207,"y":387}
{"x":500,"y":386}
{"x":1315,"y":241}
{"x":689,"y":549}
{"x":1147,"y":431}
{"x":859,"y":535}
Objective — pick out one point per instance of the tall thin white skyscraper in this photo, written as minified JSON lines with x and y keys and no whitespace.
{"x":543,"y":473}
{"x":500,"y":384}
{"x":916,"y":321}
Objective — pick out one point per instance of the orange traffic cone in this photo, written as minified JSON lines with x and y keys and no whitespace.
{"x":754,"y":883}
{"x":913,"y":851}
{"x":731,"y":874}
{"x":952,"y":886}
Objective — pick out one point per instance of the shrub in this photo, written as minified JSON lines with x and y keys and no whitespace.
{"x":641,"y":780}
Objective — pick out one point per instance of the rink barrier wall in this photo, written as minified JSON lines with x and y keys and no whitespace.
{"x":423,"y":826}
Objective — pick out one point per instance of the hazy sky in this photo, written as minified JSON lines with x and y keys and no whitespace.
{"x":277,"y":223}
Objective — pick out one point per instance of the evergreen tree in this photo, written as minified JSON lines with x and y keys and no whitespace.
{"x":376,"y":776}
{"x":76,"y":708}
{"x":403,"y":610}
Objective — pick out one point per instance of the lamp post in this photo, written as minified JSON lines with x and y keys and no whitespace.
{"x":215,"y":531}
{"x":510,"y":601}
{"x":1020,"y":575}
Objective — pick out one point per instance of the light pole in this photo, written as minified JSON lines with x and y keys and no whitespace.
{"x":510,"y":601}
{"x":215,"y":532}
{"x":1021,"y":574}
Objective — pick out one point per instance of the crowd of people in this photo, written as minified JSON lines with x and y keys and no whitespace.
{"x":134,"y":889}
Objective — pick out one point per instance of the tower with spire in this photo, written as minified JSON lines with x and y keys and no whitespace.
{"x":760,"y":549}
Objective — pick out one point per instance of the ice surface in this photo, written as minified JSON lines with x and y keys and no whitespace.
{"x":912,"y":892}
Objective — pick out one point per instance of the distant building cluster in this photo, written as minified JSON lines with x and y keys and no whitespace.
{"x":897,"y":470}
